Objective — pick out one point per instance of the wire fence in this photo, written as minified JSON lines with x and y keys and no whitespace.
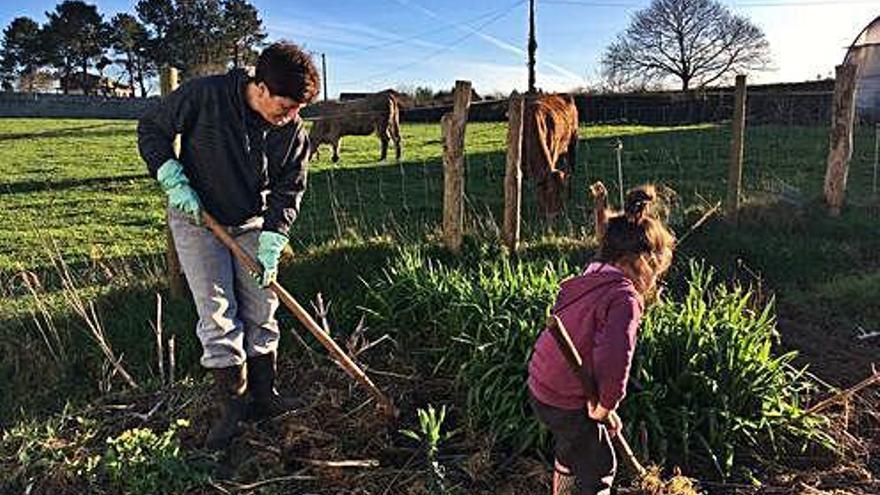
{"x":683,"y":145}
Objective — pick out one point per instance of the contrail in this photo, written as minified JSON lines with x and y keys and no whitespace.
{"x":491,"y":39}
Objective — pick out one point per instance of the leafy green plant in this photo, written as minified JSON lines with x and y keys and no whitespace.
{"x":430,"y":436}
{"x":139,"y":461}
{"x":31,"y":449}
{"x":713,"y":389}
{"x":476,"y":321}
{"x":713,"y":392}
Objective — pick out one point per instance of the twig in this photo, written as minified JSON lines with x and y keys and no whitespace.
{"x":146,"y":417}
{"x":219,"y":488}
{"x":392,"y":374}
{"x":874,"y":378}
{"x":321,"y":310}
{"x":353,"y":411}
{"x":353,"y":463}
{"x":309,"y":351}
{"x":374,"y":343}
{"x":172,"y":361}
{"x":251,"y":486}
{"x":865,"y":335}
{"x":699,"y":223}
{"x":401,"y":471}
{"x":88,"y":313}
{"x":157,"y":328}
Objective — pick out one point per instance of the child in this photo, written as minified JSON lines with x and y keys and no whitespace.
{"x":601,"y":310}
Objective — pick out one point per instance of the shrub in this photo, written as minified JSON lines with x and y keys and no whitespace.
{"x":475,"y":322}
{"x":711,"y":388}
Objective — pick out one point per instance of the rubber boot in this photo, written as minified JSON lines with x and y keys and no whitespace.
{"x":266,"y":402}
{"x":564,"y":481}
{"x":229,"y":390}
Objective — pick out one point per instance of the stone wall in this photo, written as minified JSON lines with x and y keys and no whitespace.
{"x":785,"y":104}
{"x":71,"y":106}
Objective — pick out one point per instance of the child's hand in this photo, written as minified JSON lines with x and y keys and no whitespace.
{"x":605,"y":416}
{"x":613,"y":423}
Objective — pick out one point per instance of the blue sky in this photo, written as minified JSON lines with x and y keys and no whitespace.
{"x":377,"y":44}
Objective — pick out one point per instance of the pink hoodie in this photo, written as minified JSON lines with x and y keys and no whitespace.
{"x":601,"y":310}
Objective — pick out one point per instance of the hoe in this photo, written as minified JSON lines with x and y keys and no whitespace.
{"x":385,"y":403}
{"x":649,"y":480}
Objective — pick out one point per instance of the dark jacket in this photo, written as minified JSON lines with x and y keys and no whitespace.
{"x":601,"y":310}
{"x":240,"y":165}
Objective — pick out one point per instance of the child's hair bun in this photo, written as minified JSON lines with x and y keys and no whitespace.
{"x":637,"y":202}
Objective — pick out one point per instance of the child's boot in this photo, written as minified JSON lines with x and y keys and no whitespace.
{"x":564,"y":481}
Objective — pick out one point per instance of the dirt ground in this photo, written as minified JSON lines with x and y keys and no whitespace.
{"x":338,"y":443}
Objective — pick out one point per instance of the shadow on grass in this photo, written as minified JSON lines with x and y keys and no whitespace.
{"x":24,"y":187}
{"x":350,"y":204}
{"x":409,"y":196}
{"x":35,"y":384}
{"x":108,"y":129}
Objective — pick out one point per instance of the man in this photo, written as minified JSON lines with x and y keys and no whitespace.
{"x":243,"y":158}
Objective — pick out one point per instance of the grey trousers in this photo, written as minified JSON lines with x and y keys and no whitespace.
{"x":236,"y":315}
{"x":582,"y":445}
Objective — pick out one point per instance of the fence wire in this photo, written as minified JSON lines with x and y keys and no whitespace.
{"x":684,"y":146}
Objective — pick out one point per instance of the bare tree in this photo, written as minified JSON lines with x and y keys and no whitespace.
{"x":697,"y":42}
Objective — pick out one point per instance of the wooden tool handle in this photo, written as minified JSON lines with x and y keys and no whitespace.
{"x":302,"y":315}
{"x":573,"y":358}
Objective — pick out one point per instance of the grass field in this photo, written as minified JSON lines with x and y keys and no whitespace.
{"x":82,"y":184}
{"x":76,"y":190}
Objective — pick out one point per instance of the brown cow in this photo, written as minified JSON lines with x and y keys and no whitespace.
{"x":377,"y":113}
{"x":550,"y":131}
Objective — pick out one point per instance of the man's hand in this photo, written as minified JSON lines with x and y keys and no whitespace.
{"x":180,"y":195}
{"x":268,"y":252}
{"x":605,"y":416}
{"x":597,"y":189}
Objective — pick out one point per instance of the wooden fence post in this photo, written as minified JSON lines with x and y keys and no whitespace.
{"x":513,"y":175}
{"x":453,"y":126}
{"x":843,"y":112}
{"x":168,"y":81}
{"x":737,"y":145}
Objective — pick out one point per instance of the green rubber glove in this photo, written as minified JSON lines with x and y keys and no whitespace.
{"x":180,"y":195}
{"x":268,"y":252}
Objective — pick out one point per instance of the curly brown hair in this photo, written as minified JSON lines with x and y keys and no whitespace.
{"x":636,"y":238}
{"x":288,"y":71}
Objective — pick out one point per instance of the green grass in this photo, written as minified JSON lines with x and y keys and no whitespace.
{"x":78,"y":188}
{"x":82,"y":184}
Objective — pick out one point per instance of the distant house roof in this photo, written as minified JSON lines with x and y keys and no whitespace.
{"x":352,"y":96}
{"x":448,"y":95}
{"x":91,"y":82}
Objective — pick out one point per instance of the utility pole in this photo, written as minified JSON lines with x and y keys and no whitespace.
{"x":533,"y":45}
{"x":324,"y":70}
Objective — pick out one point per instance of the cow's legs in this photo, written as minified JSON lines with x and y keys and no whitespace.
{"x":571,"y":154}
{"x":395,"y":135}
{"x":336,"y":144}
{"x":384,"y":138}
